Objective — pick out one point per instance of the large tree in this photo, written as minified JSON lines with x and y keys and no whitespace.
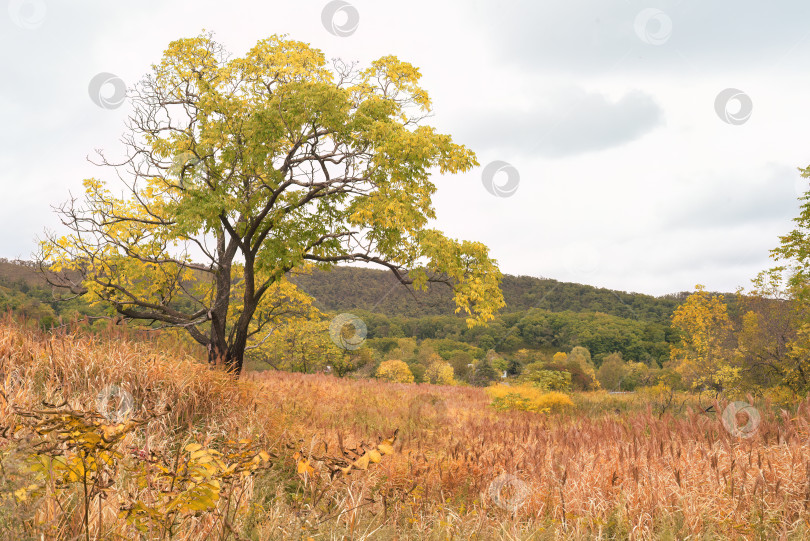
{"x":239,"y":171}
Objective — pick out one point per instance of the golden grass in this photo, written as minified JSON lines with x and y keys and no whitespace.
{"x":462,"y":469}
{"x":75,"y":368}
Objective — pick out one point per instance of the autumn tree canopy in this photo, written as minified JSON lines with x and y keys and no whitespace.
{"x":705,"y":344}
{"x":241,"y":170}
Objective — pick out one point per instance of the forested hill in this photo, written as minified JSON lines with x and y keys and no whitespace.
{"x":355,"y":288}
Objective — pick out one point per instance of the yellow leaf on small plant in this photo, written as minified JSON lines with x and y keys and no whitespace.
{"x":304,"y":467}
{"x":362,"y":462}
{"x":386,"y":447}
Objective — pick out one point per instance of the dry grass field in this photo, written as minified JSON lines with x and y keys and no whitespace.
{"x":109,"y":437}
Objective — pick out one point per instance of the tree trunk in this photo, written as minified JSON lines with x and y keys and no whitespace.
{"x":234,"y":362}
{"x":218,"y":345}
{"x":218,"y":350}
{"x":239,"y":334}
{"x":236,"y":353}
{"x":216,"y":354}
{"x":236,"y":349}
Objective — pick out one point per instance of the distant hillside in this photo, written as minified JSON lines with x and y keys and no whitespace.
{"x":541,"y":314}
{"x":20,"y":272}
{"x":353,"y":288}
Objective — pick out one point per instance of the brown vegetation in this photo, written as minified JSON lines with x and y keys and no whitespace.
{"x":460,"y":468}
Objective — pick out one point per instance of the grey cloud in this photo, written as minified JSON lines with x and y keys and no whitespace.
{"x":729,"y":202}
{"x":599,"y":36}
{"x":568,"y":124}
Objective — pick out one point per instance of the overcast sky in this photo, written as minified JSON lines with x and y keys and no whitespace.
{"x":642,"y":146}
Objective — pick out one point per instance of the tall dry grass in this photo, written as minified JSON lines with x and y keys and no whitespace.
{"x":462,"y":470}
{"x":75,"y":367}
{"x":638,"y":475}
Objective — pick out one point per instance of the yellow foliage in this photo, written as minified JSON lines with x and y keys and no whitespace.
{"x":440,"y":373}
{"x":527,"y":398}
{"x":396,"y":371}
{"x":303,"y":466}
{"x":704,"y":327}
{"x":234,"y":168}
{"x":66,"y":449}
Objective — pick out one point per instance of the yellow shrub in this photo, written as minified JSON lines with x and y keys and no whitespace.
{"x":396,"y":371}
{"x":781,"y":396}
{"x":527,"y":398}
{"x":440,"y":373}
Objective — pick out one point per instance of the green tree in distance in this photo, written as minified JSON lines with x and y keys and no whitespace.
{"x":242,"y":170}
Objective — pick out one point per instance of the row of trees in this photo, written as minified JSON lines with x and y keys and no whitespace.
{"x":762,"y":346}
{"x":760,"y":341}
{"x":602,"y":334}
{"x":304,"y":344}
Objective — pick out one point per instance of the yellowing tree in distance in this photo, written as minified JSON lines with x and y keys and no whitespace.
{"x":241,"y":170}
{"x":396,"y":371}
{"x":440,"y":373}
{"x":705,"y":330}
